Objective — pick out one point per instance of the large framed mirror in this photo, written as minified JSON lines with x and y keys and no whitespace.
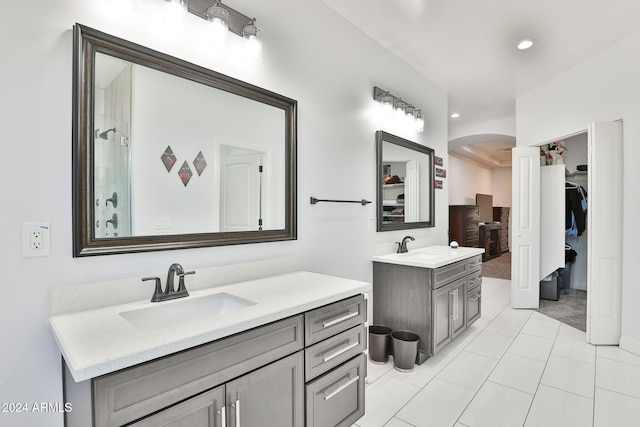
{"x":405,"y":189}
{"x":170,"y":155}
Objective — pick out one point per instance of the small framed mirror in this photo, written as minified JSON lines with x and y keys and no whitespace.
{"x":405,"y":189}
{"x":170,"y":155}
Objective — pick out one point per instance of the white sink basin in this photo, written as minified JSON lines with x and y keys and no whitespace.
{"x":421,"y":255}
{"x":184,"y":310}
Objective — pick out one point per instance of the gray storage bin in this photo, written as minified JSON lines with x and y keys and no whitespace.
{"x":550,"y":287}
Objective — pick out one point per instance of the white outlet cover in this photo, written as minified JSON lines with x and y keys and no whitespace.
{"x":27,"y":230}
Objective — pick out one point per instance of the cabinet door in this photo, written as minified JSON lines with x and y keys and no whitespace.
{"x":441,"y":315}
{"x":270,"y":396}
{"x":458,"y":307}
{"x":205,"y":410}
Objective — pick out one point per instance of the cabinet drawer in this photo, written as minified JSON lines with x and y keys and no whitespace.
{"x":129,"y":394}
{"x":325,"y":355}
{"x":331,"y":319}
{"x":336,"y":399}
{"x":474,"y":305}
{"x":449,"y":273}
{"x":474,"y":263}
{"x":475,"y":279}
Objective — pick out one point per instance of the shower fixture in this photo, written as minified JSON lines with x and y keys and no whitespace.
{"x":104,"y":135}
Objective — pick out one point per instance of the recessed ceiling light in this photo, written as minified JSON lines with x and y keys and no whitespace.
{"x":524,"y":44}
{"x":455,"y":115}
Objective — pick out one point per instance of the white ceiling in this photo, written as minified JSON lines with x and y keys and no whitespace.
{"x":468,"y":46}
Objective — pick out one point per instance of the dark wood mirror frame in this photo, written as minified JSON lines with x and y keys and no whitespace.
{"x":87,"y":42}
{"x":381,"y":138}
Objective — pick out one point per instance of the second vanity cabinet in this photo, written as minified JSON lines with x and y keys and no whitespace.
{"x":304,"y":370}
{"x":436,"y":303}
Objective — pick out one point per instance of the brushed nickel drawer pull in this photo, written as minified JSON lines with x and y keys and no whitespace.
{"x":339,"y":319}
{"x":326,"y":358}
{"x":328,"y":396}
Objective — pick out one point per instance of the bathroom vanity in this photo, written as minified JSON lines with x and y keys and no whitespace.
{"x":434,"y":292}
{"x":286,"y":350}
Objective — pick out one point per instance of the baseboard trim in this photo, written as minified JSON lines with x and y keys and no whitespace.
{"x":630,"y":345}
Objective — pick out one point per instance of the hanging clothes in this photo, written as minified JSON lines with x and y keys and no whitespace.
{"x":576,"y":209}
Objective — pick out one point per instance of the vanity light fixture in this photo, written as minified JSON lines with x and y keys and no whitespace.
{"x":525,"y":44}
{"x":228,"y":18}
{"x":218,"y":16}
{"x":401,"y":108}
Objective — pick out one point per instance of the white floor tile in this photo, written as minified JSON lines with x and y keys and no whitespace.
{"x":516,"y":313}
{"x":518,"y":372}
{"x":396,"y":422}
{"x":614,"y":352}
{"x":384,"y":398}
{"x":571,"y":331}
{"x":554,"y":407}
{"x":614,"y":409}
{"x":375,"y":371}
{"x":618,"y":376}
{"x":457,"y":345}
{"x":569,"y":375}
{"x":424,"y":373}
{"x":497,"y":406}
{"x":540,"y":327}
{"x":489,"y":344}
{"x":574,"y":348}
{"x":531,"y":346}
{"x":507,"y":326}
{"x":468,"y":370}
{"x":440,"y":403}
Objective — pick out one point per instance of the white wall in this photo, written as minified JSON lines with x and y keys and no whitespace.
{"x":466,"y":178}
{"x":502,"y":187}
{"x":310,"y":54}
{"x":603,"y":88}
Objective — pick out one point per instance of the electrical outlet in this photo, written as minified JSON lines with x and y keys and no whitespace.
{"x":36,"y":239}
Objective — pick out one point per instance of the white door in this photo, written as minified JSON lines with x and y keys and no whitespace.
{"x":525,"y":222}
{"x":604,"y":225}
{"x":552,"y":219}
{"x":412,"y":192}
{"x":240,"y":192}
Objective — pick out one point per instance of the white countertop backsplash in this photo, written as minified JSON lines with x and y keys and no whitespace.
{"x":99,"y":341}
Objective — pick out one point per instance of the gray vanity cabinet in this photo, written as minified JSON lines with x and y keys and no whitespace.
{"x":449,"y":308}
{"x":260,"y":377}
{"x":431,"y":302}
{"x":204,"y":410}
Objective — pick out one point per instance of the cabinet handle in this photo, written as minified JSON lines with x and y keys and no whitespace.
{"x":338,"y":320}
{"x":328,"y":396}
{"x":237,"y":407}
{"x":326,"y":358}
{"x":476,"y":298}
{"x":223,"y":416}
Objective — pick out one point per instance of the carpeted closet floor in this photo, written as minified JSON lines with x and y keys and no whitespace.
{"x":570,"y":309}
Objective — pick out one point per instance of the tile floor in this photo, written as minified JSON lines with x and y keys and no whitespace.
{"x":510,"y":368}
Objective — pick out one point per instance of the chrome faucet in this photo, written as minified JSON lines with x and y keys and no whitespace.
{"x":169,"y":291}
{"x":402,"y":246}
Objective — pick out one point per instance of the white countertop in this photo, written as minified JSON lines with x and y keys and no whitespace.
{"x":429,"y":256}
{"x":100,"y":341}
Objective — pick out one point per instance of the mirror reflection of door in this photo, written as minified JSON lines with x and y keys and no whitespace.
{"x":241,"y":189}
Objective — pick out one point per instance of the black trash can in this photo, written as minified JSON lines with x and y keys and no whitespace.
{"x":405,"y":350}
{"x":379,"y":343}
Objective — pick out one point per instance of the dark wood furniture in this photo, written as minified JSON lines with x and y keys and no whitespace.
{"x":501,"y":215}
{"x":463,"y":224}
{"x":489,"y":239}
